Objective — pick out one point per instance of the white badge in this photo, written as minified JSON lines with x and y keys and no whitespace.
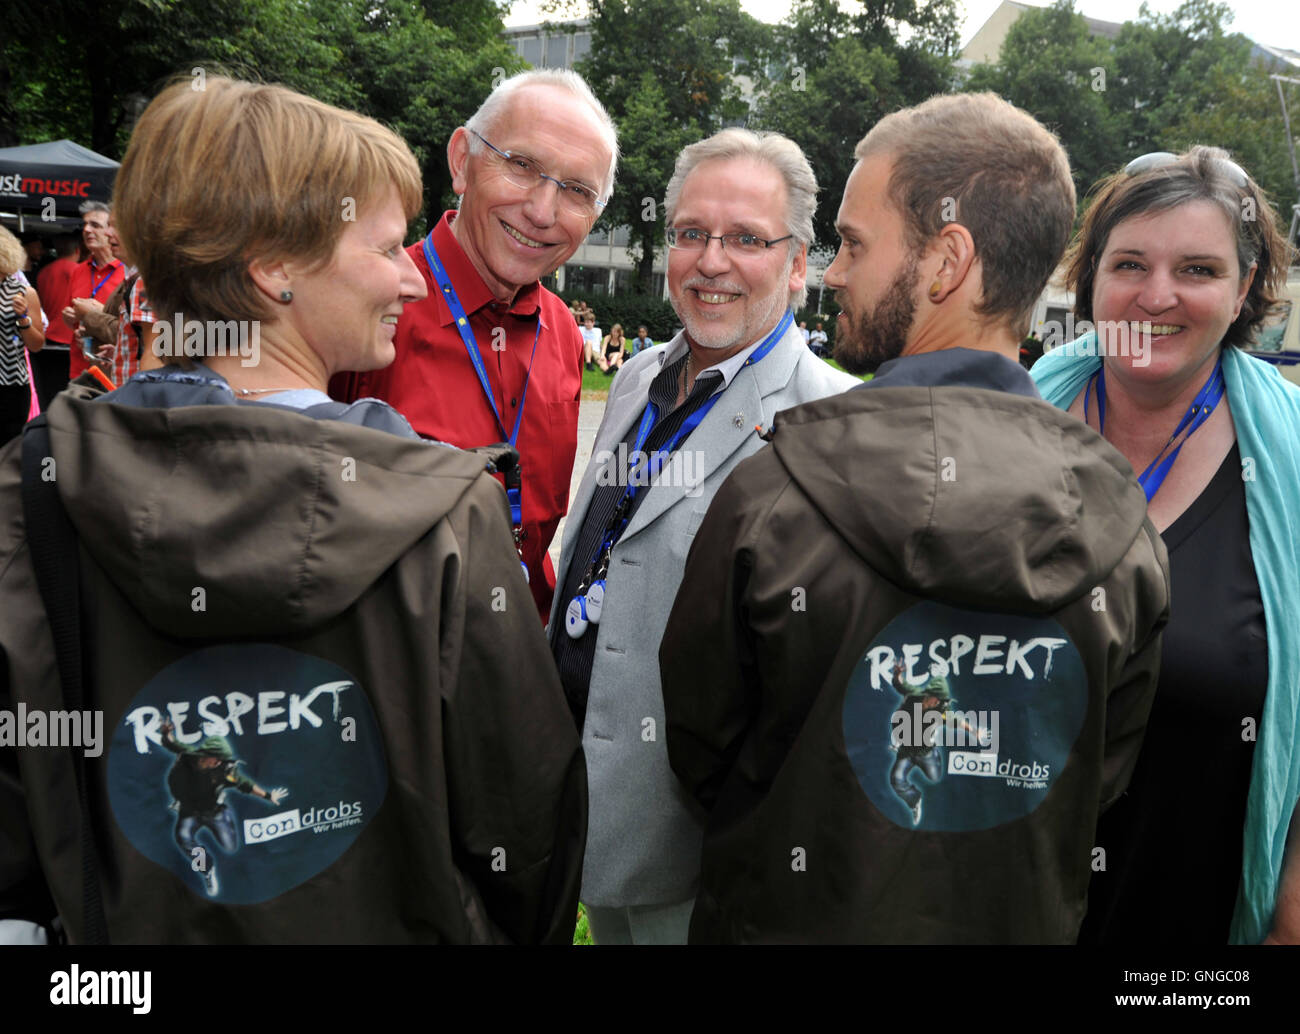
{"x":575,"y":617}
{"x":595,"y":600}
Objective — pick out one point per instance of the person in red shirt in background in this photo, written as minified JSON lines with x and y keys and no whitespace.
{"x":93,"y":280}
{"x":123,"y":327}
{"x":53,"y":285}
{"x":533,"y":168}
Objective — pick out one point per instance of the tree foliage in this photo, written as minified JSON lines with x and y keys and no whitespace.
{"x":663,"y":97}
{"x":86,"y":70}
{"x":1166,"y":82}
{"x":1053,"y":68}
{"x":834,"y":73}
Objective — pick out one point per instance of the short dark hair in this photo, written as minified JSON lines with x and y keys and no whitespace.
{"x":1200,"y":174}
{"x":975,"y":159}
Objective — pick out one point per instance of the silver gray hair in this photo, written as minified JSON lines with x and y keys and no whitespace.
{"x":93,"y":206}
{"x":778,"y":151}
{"x":483,"y":120}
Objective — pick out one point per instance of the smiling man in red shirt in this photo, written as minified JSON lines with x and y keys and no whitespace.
{"x":533,"y":168}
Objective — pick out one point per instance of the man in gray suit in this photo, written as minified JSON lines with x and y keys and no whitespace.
{"x":680,"y":416}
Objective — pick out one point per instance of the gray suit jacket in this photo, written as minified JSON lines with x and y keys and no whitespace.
{"x":643,"y":832}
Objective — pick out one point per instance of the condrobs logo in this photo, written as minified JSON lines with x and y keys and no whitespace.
{"x":318,"y":820}
{"x":959,"y":720}
{"x":245,"y":793}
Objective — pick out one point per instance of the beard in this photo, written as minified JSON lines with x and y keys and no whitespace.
{"x":762,"y":312}
{"x":874,"y":336}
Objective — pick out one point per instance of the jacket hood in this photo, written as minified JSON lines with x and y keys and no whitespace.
{"x":1027,"y":525}
{"x":227,"y":521}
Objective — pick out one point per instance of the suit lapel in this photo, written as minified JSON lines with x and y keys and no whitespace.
{"x":728,"y":425}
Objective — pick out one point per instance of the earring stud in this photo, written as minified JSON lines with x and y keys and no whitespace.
{"x":286,"y":295}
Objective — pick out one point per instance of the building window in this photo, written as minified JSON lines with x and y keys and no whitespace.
{"x":622,"y":237}
{"x":626,"y":282}
{"x":557,"y":51}
{"x":530,"y":49}
{"x":598,"y":235}
{"x":586,"y":280}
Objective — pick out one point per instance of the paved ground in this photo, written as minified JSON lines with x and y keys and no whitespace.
{"x":589,"y":417}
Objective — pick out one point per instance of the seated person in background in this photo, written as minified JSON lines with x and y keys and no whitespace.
{"x":642,"y":340}
{"x":591,"y":339}
{"x":611,"y":352}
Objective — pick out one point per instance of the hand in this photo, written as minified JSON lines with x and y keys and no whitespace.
{"x":82,"y":306}
{"x":278,"y":794}
{"x":69,"y":315}
{"x":20,"y":304}
{"x":167,"y":727}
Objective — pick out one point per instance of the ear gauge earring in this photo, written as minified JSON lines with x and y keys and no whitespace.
{"x":935,"y":288}
{"x":286,"y":295}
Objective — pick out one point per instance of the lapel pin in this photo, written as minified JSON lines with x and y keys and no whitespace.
{"x":738,"y":419}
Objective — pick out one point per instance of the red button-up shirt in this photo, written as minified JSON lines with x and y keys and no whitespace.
{"x":90,"y":281}
{"x":433,"y":384}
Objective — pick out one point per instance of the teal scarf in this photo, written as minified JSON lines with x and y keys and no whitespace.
{"x":1266,"y":413}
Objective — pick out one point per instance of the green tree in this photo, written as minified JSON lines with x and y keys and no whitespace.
{"x":650,"y":142}
{"x":694,"y":71}
{"x":85,"y":71}
{"x":1245,"y":118}
{"x":848,"y":92}
{"x":1053,"y":68}
{"x":664,"y":97}
{"x":1166,"y":67}
{"x":839,"y":71}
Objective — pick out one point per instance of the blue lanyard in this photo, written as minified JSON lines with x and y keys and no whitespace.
{"x":107,"y":276}
{"x":1197,"y":413}
{"x":514,"y":492}
{"x":650,"y":416}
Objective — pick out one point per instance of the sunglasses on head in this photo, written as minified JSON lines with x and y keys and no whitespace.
{"x":1159,"y":159}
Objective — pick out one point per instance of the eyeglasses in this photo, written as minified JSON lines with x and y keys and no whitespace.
{"x":524,"y":172}
{"x":692,"y":239}
{"x":1159,"y":159}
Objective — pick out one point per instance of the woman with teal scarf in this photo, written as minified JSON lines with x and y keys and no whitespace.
{"x":1178,"y":262}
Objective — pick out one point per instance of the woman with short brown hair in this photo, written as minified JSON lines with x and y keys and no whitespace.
{"x":1178,"y":262}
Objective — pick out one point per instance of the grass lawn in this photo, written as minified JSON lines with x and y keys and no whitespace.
{"x":595,"y":385}
{"x":582,"y":932}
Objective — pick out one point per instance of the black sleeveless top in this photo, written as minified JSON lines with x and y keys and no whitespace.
{"x":1173,"y":842}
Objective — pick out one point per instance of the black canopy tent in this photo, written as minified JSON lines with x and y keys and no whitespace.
{"x":60,"y":169}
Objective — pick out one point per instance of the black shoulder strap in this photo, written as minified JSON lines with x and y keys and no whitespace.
{"x":52,"y":543}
